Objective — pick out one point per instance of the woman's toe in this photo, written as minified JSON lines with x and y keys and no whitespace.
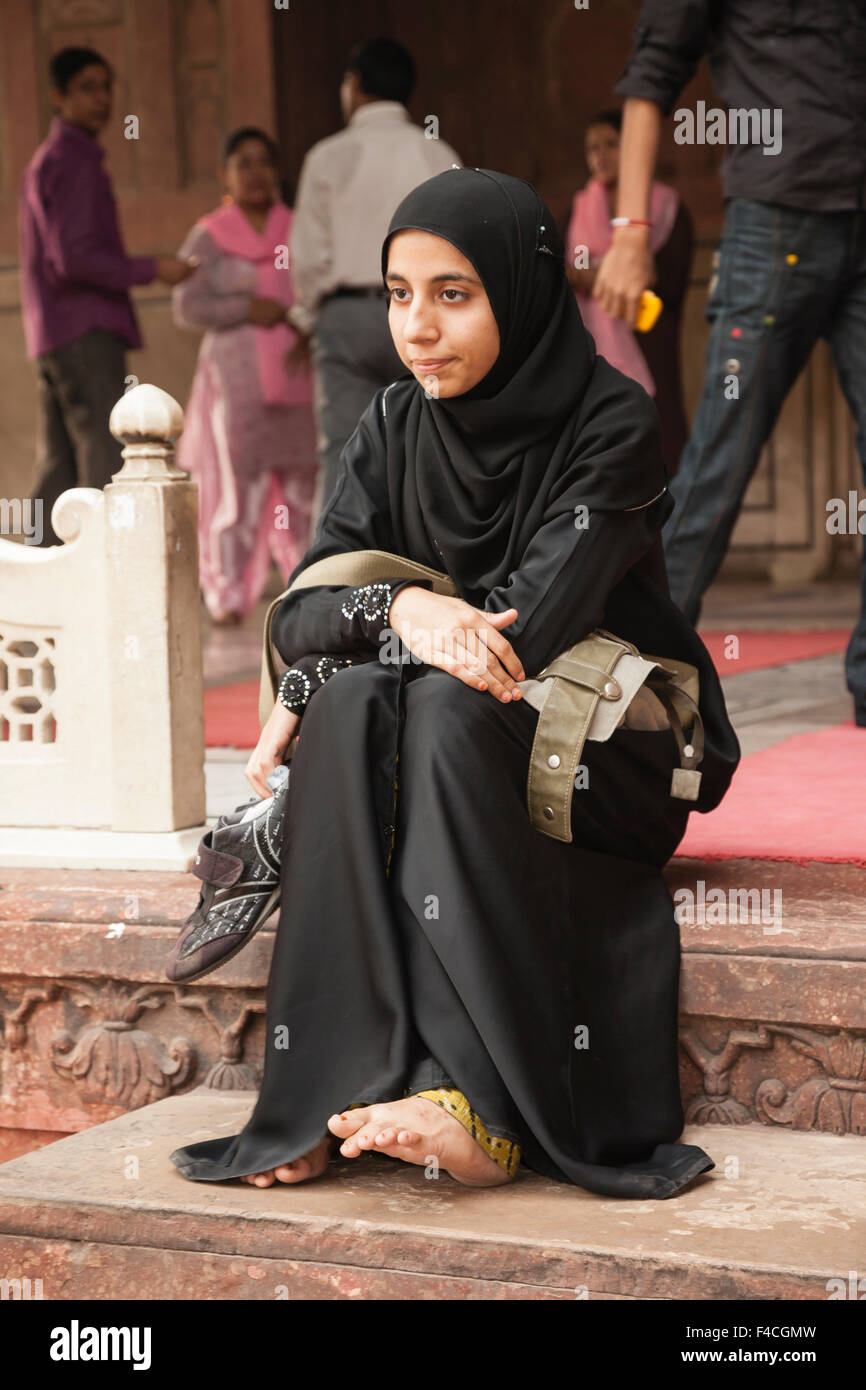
{"x":348,"y":1123}
{"x":286,"y":1172}
{"x":385,"y":1137}
{"x":362,"y":1142}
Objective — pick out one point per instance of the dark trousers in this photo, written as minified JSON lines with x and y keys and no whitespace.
{"x":78,"y":386}
{"x":353,"y":358}
{"x":785,"y":278}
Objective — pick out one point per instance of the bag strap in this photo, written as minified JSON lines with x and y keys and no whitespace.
{"x":353,"y":567}
{"x":685,"y":676}
{"x":685,"y":779}
{"x":582,"y":676}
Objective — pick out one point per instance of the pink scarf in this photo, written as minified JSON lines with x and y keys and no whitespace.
{"x":235,"y":236}
{"x":590,"y":227}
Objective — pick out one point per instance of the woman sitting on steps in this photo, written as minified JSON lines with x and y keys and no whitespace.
{"x":449,"y":985}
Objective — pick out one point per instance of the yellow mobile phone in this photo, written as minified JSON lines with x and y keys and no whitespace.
{"x":648,"y":310}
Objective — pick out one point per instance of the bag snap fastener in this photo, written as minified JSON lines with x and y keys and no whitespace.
{"x":612,"y":690}
{"x":553,"y":760}
{"x":548,"y":811}
{"x":688,"y":751}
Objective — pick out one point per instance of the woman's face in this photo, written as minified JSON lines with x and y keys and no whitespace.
{"x":602,"y":153}
{"x":249,"y":175}
{"x":439,"y":314}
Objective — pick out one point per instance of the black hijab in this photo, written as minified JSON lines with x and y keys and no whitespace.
{"x":472,"y":478}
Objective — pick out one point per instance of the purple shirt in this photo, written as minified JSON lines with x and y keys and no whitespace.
{"x":75,"y":273}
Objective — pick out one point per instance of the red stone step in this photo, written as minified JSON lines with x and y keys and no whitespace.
{"x":104,"y":1214}
{"x":773,"y":1022}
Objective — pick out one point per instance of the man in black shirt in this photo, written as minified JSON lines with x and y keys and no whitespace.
{"x":791,"y":78}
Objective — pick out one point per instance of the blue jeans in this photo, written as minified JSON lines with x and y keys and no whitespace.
{"x":766,"y":315}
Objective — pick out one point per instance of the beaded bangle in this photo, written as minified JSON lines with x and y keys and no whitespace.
{"x":372,"y":601}
{"x":328,"y":666}
{"x":386,"y":616}
{"x":291,"y":695}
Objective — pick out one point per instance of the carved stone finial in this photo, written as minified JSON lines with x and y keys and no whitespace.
{"x":146,"y":413}
{"x":148,"y":420}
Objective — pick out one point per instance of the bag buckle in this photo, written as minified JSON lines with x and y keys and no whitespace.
{"x":686,"y":783}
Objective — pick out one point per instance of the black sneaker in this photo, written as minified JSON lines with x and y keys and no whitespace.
{"x":238,"y":862}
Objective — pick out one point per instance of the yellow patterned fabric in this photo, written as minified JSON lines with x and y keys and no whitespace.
{"x":505,"y":1152}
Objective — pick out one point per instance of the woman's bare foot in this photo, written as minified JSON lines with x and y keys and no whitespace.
{"x":415,"y":1129}
{"x":310,"y":1165}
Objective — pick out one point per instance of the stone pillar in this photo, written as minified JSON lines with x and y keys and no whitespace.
{"x":157,"y":724}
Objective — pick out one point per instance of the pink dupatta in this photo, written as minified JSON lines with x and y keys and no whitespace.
{"x":590,"y":227}
{"x":234,"y":235}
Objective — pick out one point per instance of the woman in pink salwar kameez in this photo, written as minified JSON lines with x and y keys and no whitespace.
{"x":249,"y":437}
{"x":653,"y":358}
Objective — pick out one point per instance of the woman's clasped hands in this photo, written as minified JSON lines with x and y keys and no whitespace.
{"x":439,"y":630}
{"x":464,"y":641}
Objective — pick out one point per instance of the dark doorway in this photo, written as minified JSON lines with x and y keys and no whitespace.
{"x":512,"y":82}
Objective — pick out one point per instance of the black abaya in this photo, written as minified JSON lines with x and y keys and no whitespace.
{"x":486,"y":949}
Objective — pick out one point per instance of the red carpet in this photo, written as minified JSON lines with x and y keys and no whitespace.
{"x":803,"y":799}
{"x":231,"y":717}
{"x":764,"y":647}
{"x":230,"y":711}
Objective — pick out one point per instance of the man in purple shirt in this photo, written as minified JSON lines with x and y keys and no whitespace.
{"x":75,"y":279}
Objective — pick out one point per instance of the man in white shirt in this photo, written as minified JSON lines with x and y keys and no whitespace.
{"x":350,"y":185}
